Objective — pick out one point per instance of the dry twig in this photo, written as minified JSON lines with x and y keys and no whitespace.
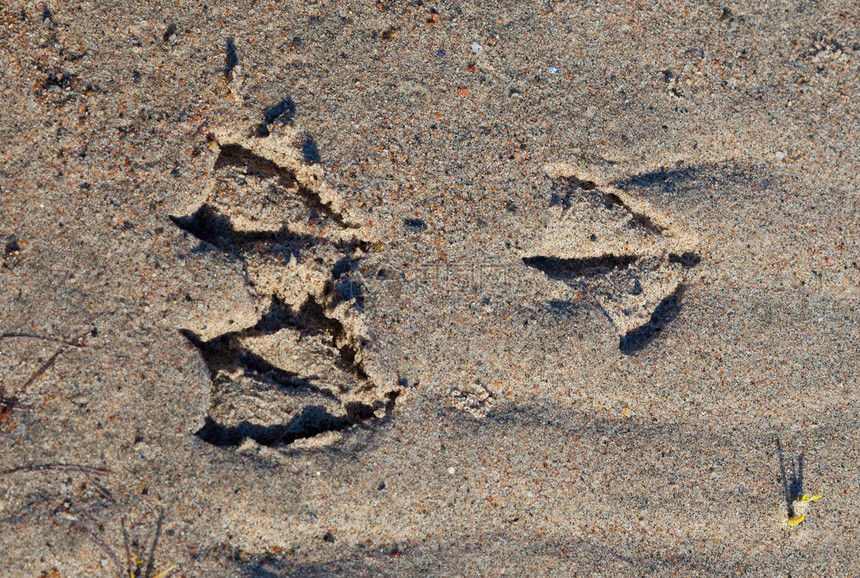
{"x":61,"y":467}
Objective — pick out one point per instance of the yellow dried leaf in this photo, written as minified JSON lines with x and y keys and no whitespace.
{"x":164,"y":573}
{"x":795,"y":520}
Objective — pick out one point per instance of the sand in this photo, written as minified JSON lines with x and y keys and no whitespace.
{"x":422,"y":288}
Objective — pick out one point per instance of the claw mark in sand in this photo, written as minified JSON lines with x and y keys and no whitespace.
{"x":606,"y":243}
{"x":301,"y":370}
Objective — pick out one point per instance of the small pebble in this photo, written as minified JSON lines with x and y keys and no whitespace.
{"x":779,"y":155}
{"x":452,"y":470}
{"x":553,"y":70}
{"x":415,"y":225}
{"x":170,"y":34}
{"x":477,"y":48}
{"x":627,"y":412}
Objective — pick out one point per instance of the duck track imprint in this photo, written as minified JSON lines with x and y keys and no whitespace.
{"x":301,"y":370}
{"x":629,"y":256}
